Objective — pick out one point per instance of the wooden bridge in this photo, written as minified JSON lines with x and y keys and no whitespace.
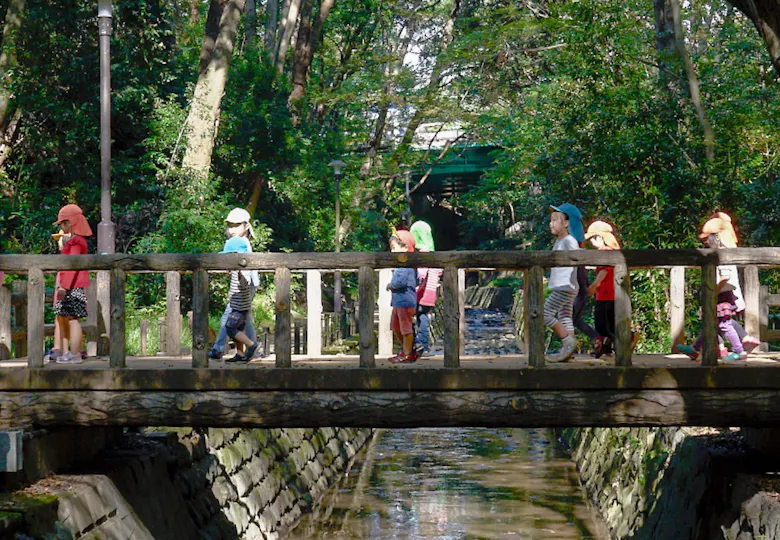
{"x":452,"y":390}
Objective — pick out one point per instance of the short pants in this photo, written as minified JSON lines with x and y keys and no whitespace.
{"x":401,"y":320}
{"x":236,"y":322}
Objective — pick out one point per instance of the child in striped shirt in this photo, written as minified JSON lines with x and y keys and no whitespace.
{"x":242,"y":291}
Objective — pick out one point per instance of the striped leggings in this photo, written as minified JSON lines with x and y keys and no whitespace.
{"x":558,"y":307}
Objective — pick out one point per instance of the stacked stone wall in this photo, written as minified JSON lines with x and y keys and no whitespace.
{"x":676,"y":483}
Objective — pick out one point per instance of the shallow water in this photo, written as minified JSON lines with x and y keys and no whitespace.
{"x":459,"y":483}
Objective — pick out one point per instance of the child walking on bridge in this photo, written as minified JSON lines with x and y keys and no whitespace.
{"x":600,"y":235}
{"x":403,"y":285}
{"x":242,"y":291}
{"x":427,"y":285}
{"x":566,"y":226}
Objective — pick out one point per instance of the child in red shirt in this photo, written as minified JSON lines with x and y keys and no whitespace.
{"x":600,"y":235}
{"x":70,"y":296}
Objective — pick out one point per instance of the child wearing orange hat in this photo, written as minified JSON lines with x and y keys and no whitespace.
{"x":718,"y":233}
{"x":601,"y":236}
{"x":403,"y":287}
{"x":70,"y":299}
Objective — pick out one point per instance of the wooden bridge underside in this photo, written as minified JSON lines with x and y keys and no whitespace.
{"x":490,"y":391}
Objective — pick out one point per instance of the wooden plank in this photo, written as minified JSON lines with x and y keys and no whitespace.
{"x":188,"y":262}
{"x":200,"y":319}
{"x":103,"y":310}
{"x":451,"y":315}
{"x":773,"y":335}
{"x":534,"y":323}
{"x":677,"y":306}
{"x":297,"y":336}
{"x":5,"y":323}
{"x":313,"y":313}
{"x":773,"y":300}
{"x":623,"y":336}
{"x":35,"y":301}
{"x":724,"y":379}
{"x":462,"y":311}
{"x":403,"y":409}
{"x":144,"y":336}
{"x":366,"y":296}
{"x":173,"y":313}
{"x":385,"y":334}
{"x":20,"y":318}
{"x":161,"y":337}
{"x":118,"y":337}
{"x":752,"y":291}
{"x":282,"y":345}
{"x":709,"y":322}
{"x":526,"y":311}
{"x":91,"y":329}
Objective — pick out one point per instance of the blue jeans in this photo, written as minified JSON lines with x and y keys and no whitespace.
{"x":424,"y":327}
{"x":222,"y":336}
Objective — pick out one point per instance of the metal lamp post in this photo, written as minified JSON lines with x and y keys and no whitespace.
{"x":337,"y":166}
{"x":106,"y":229}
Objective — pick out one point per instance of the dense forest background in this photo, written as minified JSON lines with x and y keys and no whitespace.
{"x":650,"y":114}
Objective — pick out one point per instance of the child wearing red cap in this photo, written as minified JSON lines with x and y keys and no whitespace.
{"x":70,"y":299}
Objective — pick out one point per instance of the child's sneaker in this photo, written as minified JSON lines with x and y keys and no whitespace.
{"x":565,"y":352}
{"x":52,"y":355}
{"x":214,"y":354}
{"x":735,"y":356}
{"x":688,"y":350}
{"x":250,"y":352}
{"x":410,"y":358}
{"x":598,"y":348}
{"x":397,"y":358}
{"x":749,"y":343}
{"x":68,"y":358}
{"x":238,"y":359}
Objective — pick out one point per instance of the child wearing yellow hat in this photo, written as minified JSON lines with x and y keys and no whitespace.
{"x":600,"y":234}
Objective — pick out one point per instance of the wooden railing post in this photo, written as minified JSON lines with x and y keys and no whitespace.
{"x":366,"y":297}
{"x":20,"y":317}
{"x":461,"y":311}
{"x":709,"y":323}
{"x":200,"y":318}
{"x":117,"y":329}
{"x":384,"y":334}
{"x":451,"y":317}
{"x":313,"y":313}
{"x":752,"y":292}
{"x":93,"y":330}
{"x":5,"y":322}
{"x":763,"y":316}
{"x":297,"y":336}
{"x":144,"y":336}
{"x":161,"y":337}
{"x":173,"y":313}
{"x":534,"y":323}
{"x":622,"y":316}
{"x":677,"y":306}
{"x":282,"y":328}
{"x":35,"y":303}
{"x":103,"y":310}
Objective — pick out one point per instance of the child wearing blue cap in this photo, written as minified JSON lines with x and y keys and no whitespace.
{"x":566,"y":226}
{"x":242,"y":291}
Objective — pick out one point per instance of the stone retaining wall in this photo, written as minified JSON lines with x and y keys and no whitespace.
{"x":187,"y":483}
{"x":686,"y":483}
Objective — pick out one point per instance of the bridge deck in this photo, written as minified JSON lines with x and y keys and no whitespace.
{"x":492,"y":391}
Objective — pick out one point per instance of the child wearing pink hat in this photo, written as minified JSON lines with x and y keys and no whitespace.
{"x":70,"y":299}
{"x":601,"y":236}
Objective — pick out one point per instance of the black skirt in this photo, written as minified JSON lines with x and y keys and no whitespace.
{"x":74,"y":304}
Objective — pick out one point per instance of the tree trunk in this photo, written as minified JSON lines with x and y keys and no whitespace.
{"x":13,"y":21}
{"x":664,"y":42}
{"x":433,"y":84}
{"x":765,"y":15}
{"x":285,"y":32}
{"x":271,"y":23}
{"x":693,"y":82}
{"x":308,"y":38}
{"x":251,"y":25}
{"x":201,"y":124}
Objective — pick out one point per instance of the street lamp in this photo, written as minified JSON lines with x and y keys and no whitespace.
{"x":337,"y":166}
{"x":106,"y":228}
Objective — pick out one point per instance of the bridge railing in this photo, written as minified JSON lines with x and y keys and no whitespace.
{"x":533,"y":263}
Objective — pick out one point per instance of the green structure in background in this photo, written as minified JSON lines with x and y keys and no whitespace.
{"x":458,"y":171}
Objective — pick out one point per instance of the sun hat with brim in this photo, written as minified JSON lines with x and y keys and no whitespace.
{"x":576,"y":229}
{"x":239,"y":215}
{"x":72,"y":213}
{"x":604,"y":230}
{"x":236,"y":245}
{"x":723,"y":229}
{"x":423,"y":236}
{"x":407,"y":238}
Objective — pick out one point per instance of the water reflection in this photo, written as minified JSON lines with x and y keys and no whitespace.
{"x":463,"y":483}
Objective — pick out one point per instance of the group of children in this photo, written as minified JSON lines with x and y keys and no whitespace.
{"x":414,"y":291}
{"x":414,"y":294}
{"x":566,"y":225}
